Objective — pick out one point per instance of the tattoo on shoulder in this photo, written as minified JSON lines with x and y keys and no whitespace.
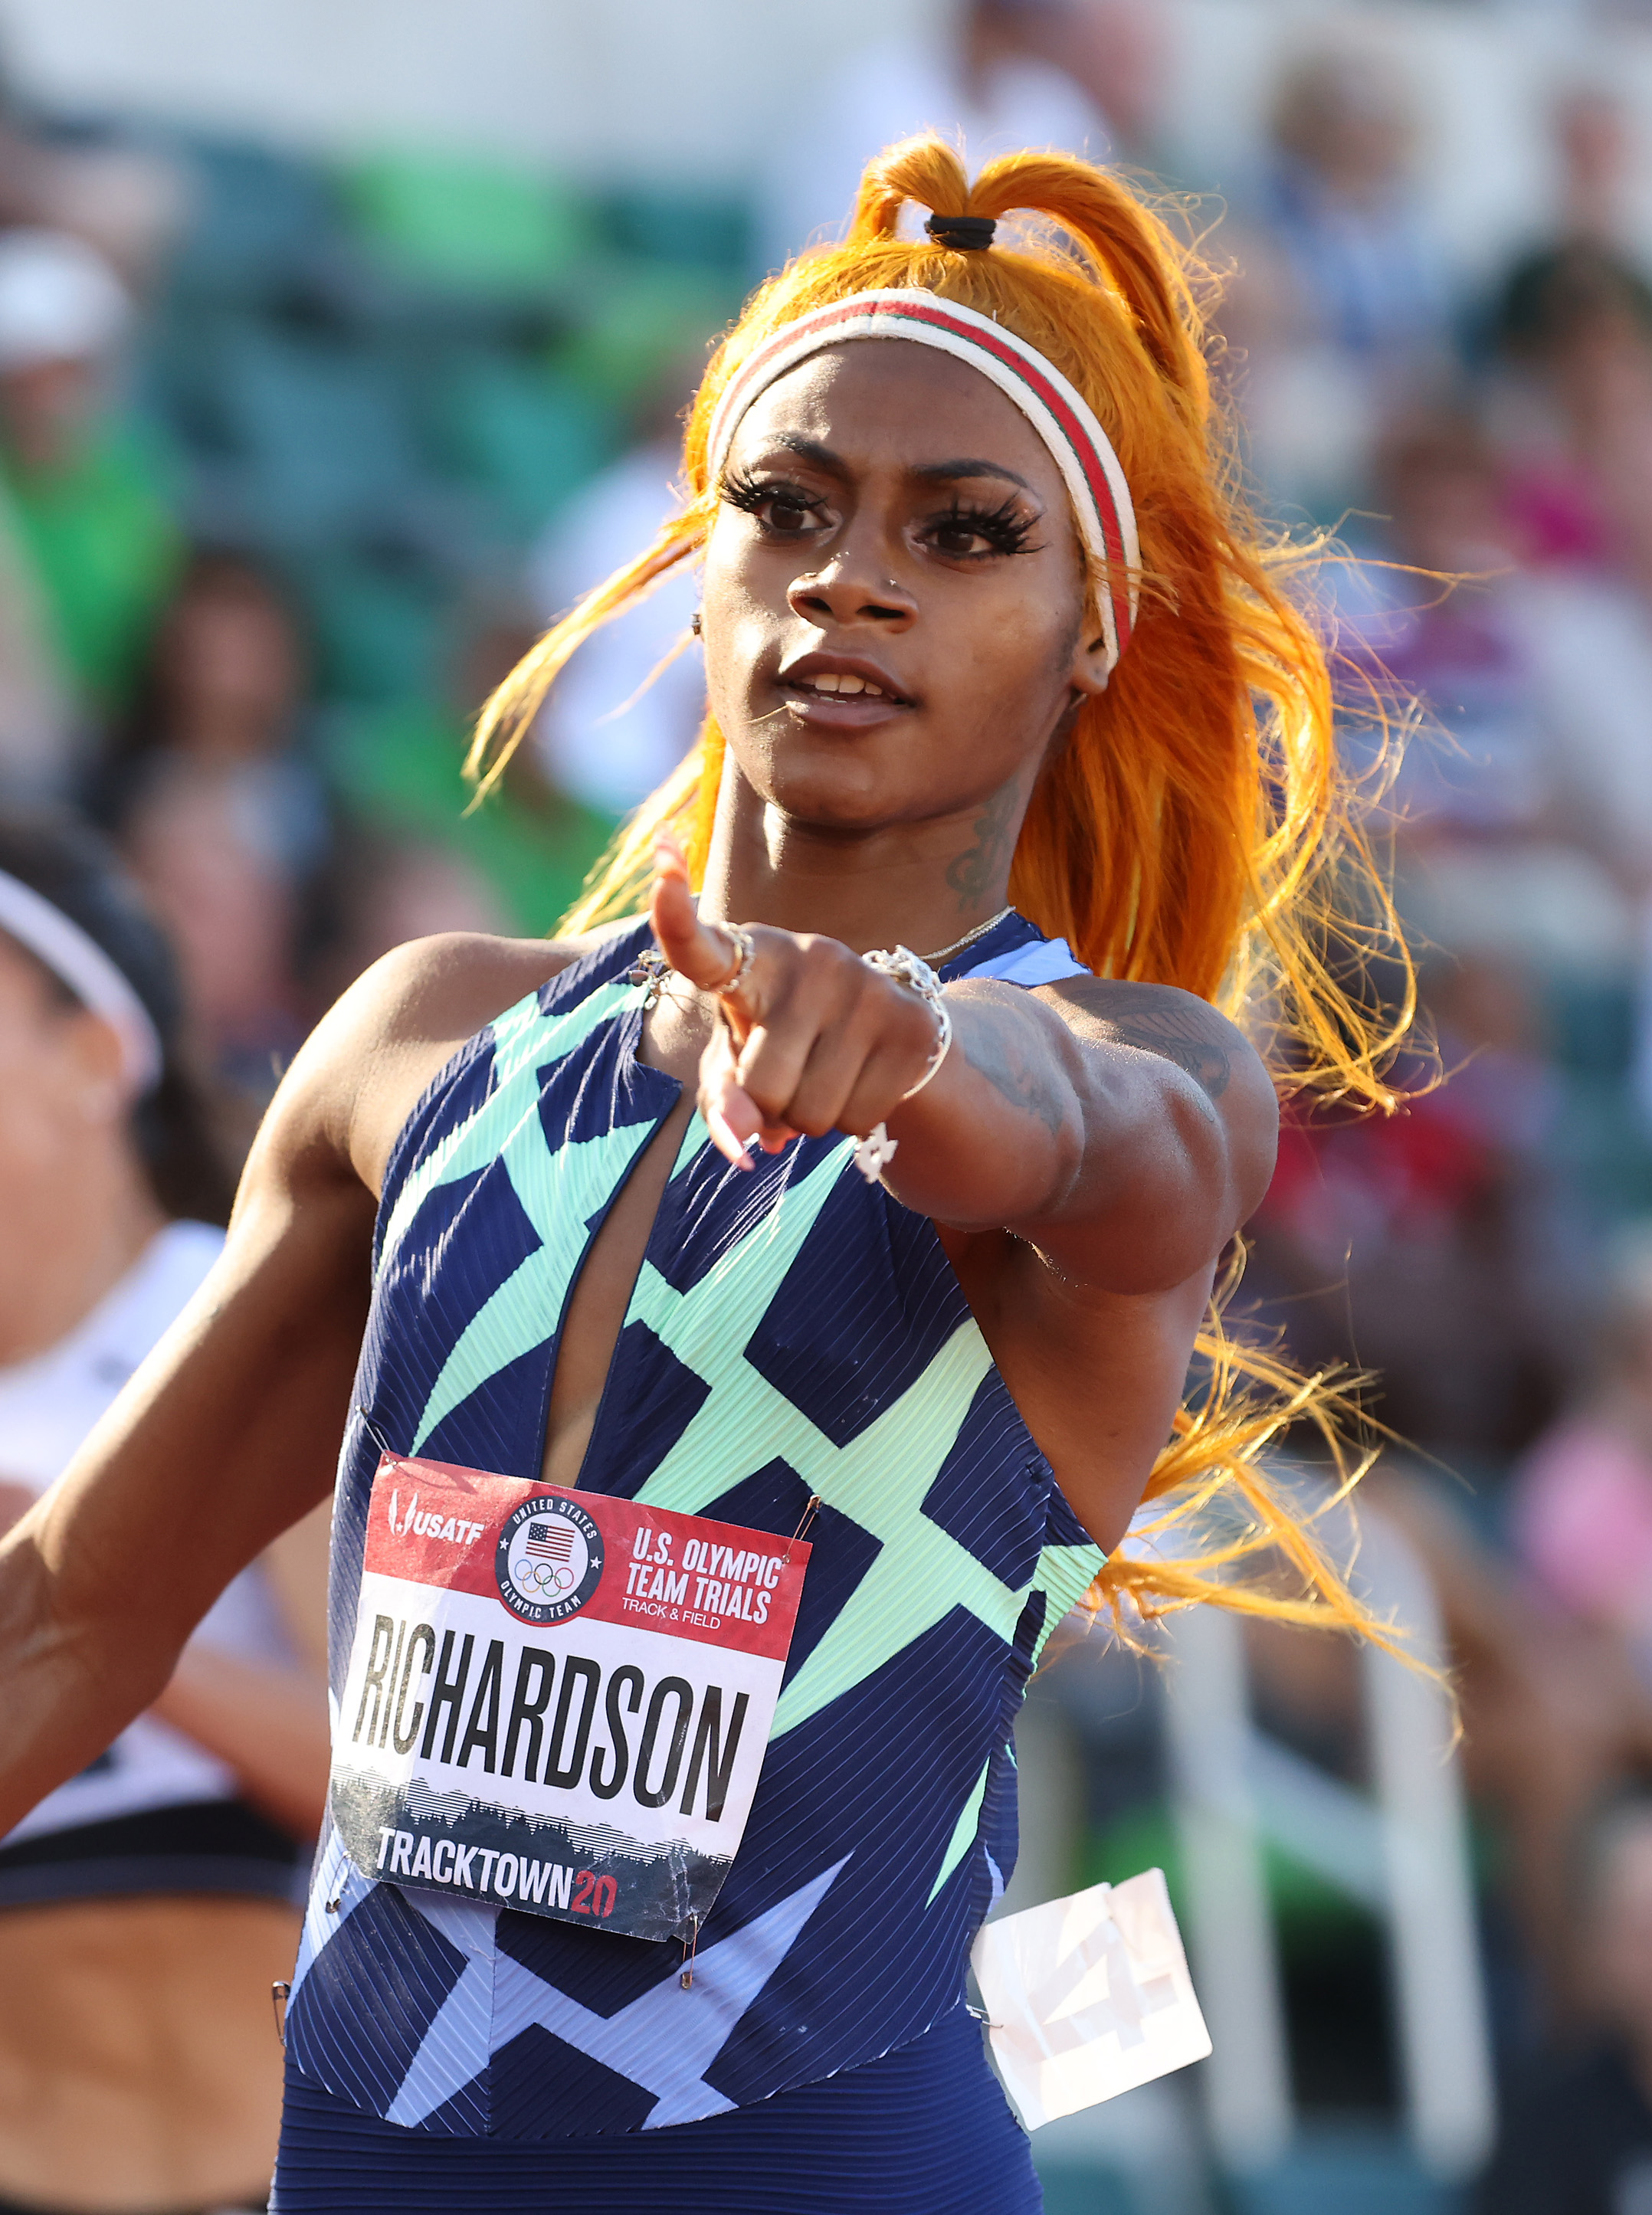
{"x":997,"y":1059}
{"x":1176,"y":1026}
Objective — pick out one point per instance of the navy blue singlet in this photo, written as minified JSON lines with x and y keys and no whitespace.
{"x":794,"y":1332}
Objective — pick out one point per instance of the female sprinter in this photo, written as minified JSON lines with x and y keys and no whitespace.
{"x":999,"y":672}
{"x":146,"y":1903}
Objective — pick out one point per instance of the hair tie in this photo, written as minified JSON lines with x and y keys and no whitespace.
{"x":964,"y":233}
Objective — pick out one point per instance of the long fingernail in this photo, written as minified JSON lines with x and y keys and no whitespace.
{"x":725,"y":1138}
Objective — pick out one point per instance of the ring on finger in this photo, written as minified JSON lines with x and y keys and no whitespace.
{"x":744,"y":953}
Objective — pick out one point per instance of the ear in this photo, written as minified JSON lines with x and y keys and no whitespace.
{"x":100,"y":1091}
{"x":1089,"y":672}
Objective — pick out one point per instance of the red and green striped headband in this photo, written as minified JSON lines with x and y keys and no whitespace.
{"x":1057,"y":411}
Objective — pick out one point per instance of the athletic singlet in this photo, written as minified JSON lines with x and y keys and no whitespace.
{"x":793,"y":1333}
{"x":156,"y":1812}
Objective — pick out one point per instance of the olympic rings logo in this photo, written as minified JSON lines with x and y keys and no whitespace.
{"x":536,"y":1579}
{"x":548,"y":1558}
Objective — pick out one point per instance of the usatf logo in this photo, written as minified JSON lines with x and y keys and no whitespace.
{"x":549,"y":1559}
{"x":453,"y":1528}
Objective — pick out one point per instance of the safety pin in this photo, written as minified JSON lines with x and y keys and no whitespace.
{"x":685,"y":1981}
{"x":376,"y":1434}
{"x":809,"y":1514}
{"x":649,"y":970}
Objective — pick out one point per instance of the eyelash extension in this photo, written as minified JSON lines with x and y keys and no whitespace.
{"x":743,"y":491}
{"x":1008,"y":527}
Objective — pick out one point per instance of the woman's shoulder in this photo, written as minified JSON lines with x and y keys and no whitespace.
{"x":450,"y":986}
{"x":379,"y":1050}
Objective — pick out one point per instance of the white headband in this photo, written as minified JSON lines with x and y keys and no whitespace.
{"x":1056,"y":409}
{"x":80,"y":962}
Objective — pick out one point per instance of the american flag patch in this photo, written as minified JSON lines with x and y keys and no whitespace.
{"x":551,"y":1542}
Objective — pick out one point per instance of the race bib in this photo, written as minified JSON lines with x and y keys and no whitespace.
{"x":557,"y":1701}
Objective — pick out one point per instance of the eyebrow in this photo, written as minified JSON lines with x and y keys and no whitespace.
{"x":811,"y":449}
{"x":952,"y":472}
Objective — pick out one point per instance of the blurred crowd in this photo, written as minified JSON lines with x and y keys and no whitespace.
{"x":277,"y":445}
{"x":295,"y":459}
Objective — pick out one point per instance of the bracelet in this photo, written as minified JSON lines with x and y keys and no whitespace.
{"x":873,"y":1153}
{"x":906,"y":967}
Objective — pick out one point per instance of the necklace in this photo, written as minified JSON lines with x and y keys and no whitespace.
{"x":650,"y":967}
{"x":935,"y":961}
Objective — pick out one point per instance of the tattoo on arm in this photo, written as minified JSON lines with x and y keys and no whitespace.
{"x":998,"y":1059}
{"x":1158,"y":1019}
{"x":973,"y":874}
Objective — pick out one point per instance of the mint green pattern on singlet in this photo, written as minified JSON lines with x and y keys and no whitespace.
{"x":1064,"y":1575}
{"x":880,"y":1479}
{"x":557,"y":1191}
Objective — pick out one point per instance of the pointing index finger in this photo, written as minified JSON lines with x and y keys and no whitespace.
{"x":704,"y":955}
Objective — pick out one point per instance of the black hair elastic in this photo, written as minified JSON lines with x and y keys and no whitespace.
{"x":964,"y":233}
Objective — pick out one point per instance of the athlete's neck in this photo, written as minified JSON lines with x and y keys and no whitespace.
{"x":925,"y":884}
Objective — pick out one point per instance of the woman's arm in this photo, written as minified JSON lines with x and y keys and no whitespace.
{"x":295,"y":1568}
{"x":265,"y":1720}
{"x":1124,"y":1131}
{"x":268,"y":1720}
{"x":267,"y":1723}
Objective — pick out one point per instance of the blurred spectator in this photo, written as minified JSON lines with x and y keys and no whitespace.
{"x":146,"y":1905}
{"x":1575,"y":326}
{"x":515,"y":863}
{"x":1552,"y":1720}
{"x":1595,"y":139}
{"x":1573,"y":412}
{"x":1522,"y":812}
{"x":1582,"y":1513}
{"x":119,"y":193}
{"x":89,"y":510}
{"x":1436,"y":1247}
{"x":1577,"y":2131}
{"x":36,"y":721}
{"x":1345,"y":212}
{"x":1432,"y":614}
{"x":1080,"y":75}
{"x":612,"y":729}
{"x":387,"y":888}
{"x":1342,"y":309}
{"x":1515,"y":839}
{"x":225,"y":819}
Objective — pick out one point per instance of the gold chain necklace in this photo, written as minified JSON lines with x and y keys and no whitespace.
{"x":947,"y":953}
{"x":651,"y":966}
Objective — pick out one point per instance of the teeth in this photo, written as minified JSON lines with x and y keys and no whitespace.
{"x":831,"y":681}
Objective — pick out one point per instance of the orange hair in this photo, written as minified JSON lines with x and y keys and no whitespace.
{"x":1194,"y":830}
